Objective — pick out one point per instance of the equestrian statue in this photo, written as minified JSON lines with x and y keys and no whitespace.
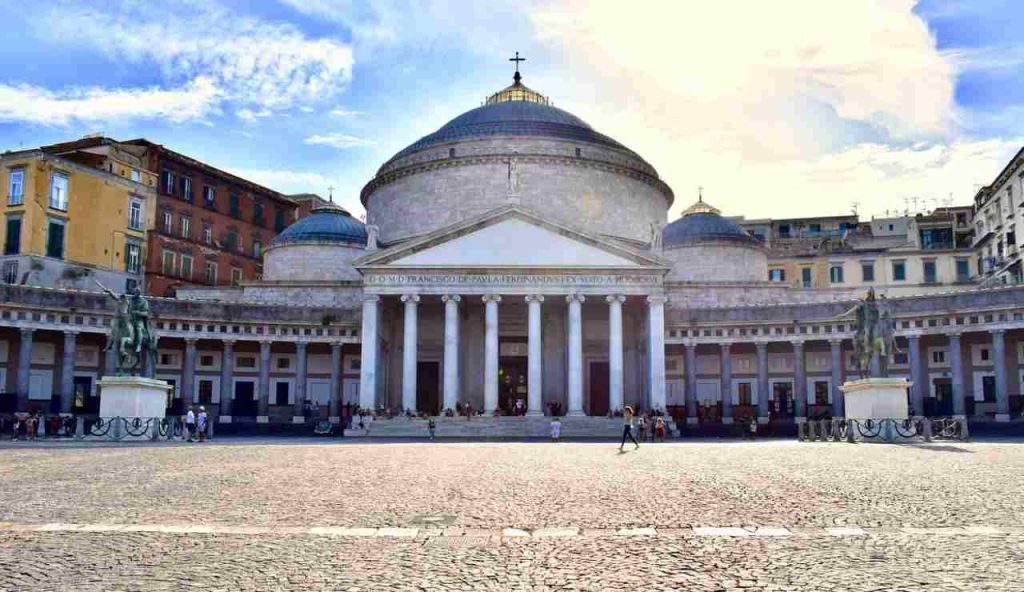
{"x":875,"y":340}
{"x":130,"y":336}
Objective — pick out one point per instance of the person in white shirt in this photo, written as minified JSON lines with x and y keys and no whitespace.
{"x":190,"y":425}
{"x":556,"y":429}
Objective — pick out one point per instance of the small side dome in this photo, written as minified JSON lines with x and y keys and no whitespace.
{"x":702,"y":223}
{"x":330,"y":224}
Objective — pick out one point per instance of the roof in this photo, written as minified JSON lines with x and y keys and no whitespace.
{"x":703,"y":223}
{"x":327,"y":224}
{"x":513,"y":111}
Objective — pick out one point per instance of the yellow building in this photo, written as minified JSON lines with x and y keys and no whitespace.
{"x":68,"y":224}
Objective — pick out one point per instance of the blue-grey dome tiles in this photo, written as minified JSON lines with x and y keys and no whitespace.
{"x":513,"y":118}
{"x":324,"y":226}
{"x":703,"y":227}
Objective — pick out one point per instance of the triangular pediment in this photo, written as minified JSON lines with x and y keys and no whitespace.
{"x":510,"y":238}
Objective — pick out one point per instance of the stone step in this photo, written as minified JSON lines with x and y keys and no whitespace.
{"x":497,"y":427}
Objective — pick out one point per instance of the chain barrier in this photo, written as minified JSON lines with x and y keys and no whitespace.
{"x":884,"y":430}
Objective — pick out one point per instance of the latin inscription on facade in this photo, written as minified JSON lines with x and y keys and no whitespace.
{"x":511,"y":280}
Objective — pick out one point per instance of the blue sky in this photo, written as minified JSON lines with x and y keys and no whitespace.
{"x":797,"y":107}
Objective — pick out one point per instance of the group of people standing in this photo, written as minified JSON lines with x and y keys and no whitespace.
{"x":195,"y":425}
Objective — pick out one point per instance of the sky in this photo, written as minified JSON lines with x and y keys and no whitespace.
{"x":777,"y":109}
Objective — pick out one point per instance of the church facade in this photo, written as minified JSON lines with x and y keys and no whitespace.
{"x":517,"y":261}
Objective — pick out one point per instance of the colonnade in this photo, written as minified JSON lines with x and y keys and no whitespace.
{"x":451,"y":371}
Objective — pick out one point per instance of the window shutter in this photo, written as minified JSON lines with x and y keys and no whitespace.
{"x":55,"y":246}
{"x":12,"y":243}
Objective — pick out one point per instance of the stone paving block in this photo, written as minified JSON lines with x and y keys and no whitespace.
{"x":727,"y":531}
{"x":104,"y":527}
{"x":343,"y":531}
{"x":942,"y":530}
{"x":772,"y":531}
{"x":983,"y":530}
{"x":636,"y":532}
{"x":398,"y":532}
{"x":514,"y":533}
{"x":842,"y":531}
{"x":570,"y":531}
{"x":58,"y":527}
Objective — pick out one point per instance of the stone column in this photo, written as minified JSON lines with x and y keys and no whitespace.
{"x":368,"y":353}
{"x":956,"y":367}
{"x":24,"y":367}
{"x":491,"y":352}
{"x":575,"y":382}
{"x":534,"y":372}
{"x":615,"y":366}
{"x":298,"y":412}
{"x":838,"y":402}
{"x":410,"y":341}
{"x":656,"y":343}
{"x":726,"y":383}
{"x":188,"y":373}
{"x":451,"y":350}
{"x":67,"y":372}
{"x":690,"y":394}
{"x":334,"y":404}
{"x":799,"y":383}
{"x":227,"y":370}
{"x":263,"y":402}
{"x":999,"y":366}
{"x":918,"y":386}
{"x":763,"y":387}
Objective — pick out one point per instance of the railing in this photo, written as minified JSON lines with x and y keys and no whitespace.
{"x":83,"y":427}
{"x":884,"y":430}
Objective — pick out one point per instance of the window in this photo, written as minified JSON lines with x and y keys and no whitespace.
{"x":988,"y":388}
{"x":205,"y":392}
{"x":12,"y":240}
{"x":168,"y":359}
{"x":783,"y":230}
{"x":59,"y":192}
{"x":233,"y":205}
{"x":900,"y":358}
{"x":283,"y":363}
{"x":206,"y":360}
{"x":257,"y":248}
{"x":820,"y":392}
{"x":939,"y":356}
{"x":240,"y":246}
{"x":929,"y":272}
{"x":743,"y":392}
{"x":10,"y":272}
{"x":132,"y":257}
{"x":186,"y":227}
{"x":136,"y":176}
{"x":207,"y":233}
{"x":451,"y":153}
{"x":236,"y":276}
{"x":168,"y":222}
{"x":899,"y":271}
{"x":805,"y":277}
{"x":867,"y":271}
{"x":814,"y":228}
{"x":281,"y":393}
{"x":835,"y":274}
{"x":257,"y":214}
{"x":130,"y":285}
{"x":777,"y":275}
{"x":167,"y":182}
{"x":984,"y":354}
{"x":15,"y":187}
{"x":186,"y":266}
{"x":231,"y":241}
{"x":278,"y":221}
{"x":963,"y":270}
{"x":55,"y":239}
{"x":186,"y":188}
{"x":167,"y":259}
{"x":246,"y":362}
{"x":209,"y":196}
{"x":135,"y":214}
{"x":211,"y":272}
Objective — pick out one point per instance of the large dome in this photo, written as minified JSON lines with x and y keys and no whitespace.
{"x":517,"y":148}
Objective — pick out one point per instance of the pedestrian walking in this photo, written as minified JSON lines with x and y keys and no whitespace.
{"x":431,"y":427}
{"x":556,"y":429}
{"x":190,"y":425}
{"x":201,"y":421}
{"x":627,"y":428}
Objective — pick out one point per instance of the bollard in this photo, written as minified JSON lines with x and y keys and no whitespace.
{"x":850,"y":427}
{"x":117,"y":428}
{"x":155,"y":431}
{"x":888,"y":430}
{"x":79,"y":428}
{"x":965,"y":435}
{"x":800,"y":432}
{"x":926,"y":425}
{"x":209,"y":429}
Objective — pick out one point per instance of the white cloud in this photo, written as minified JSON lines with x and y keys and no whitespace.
{"x":337,"y":140}
{"x":249,"y":115}
{"x":37,"y":105}
{"x":251,"y":64}
{"x":342,"y":112}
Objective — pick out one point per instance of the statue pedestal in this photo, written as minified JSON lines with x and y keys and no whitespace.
{"x":876,"y":398}
{"x":133,"y":396}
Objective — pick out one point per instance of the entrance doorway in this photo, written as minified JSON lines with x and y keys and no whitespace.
{"x":84,"y":399}
{"x":782,"y":400}
{"x":598,"y":404}
{"x":427,"y":393}
{"x":512,"y":385}
{"x":244,"y":404}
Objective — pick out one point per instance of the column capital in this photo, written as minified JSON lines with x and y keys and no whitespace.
{"x":300,"y":346}
{"x":411,"y":298}
{"x":615,"y":299}
{"x":761,"y":345}
{"x":725,"y":345}
{"x":491,"y":298}
{"x":229,"y":342}
{"x":835,"y":341}
{"x":70,"y":333}
{"x":451,"y":298}
{"x":575,"y":297}
{"x":336,"y":345}
{"x":191,"y":340}
{"x":535,"y":298}
{"x":27,"y":331}
{"x":371,"y":299}
{"x":656,"y":299}
{"x":266,"y":342}
{"x":797,"y":343}
{"x":954,"y":335}
{"x":997,"y":331}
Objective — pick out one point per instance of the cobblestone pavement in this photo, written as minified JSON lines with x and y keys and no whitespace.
{"x":257,"y":503}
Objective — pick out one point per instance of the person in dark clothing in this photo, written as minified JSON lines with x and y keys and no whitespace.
{"x":627,"y":428}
